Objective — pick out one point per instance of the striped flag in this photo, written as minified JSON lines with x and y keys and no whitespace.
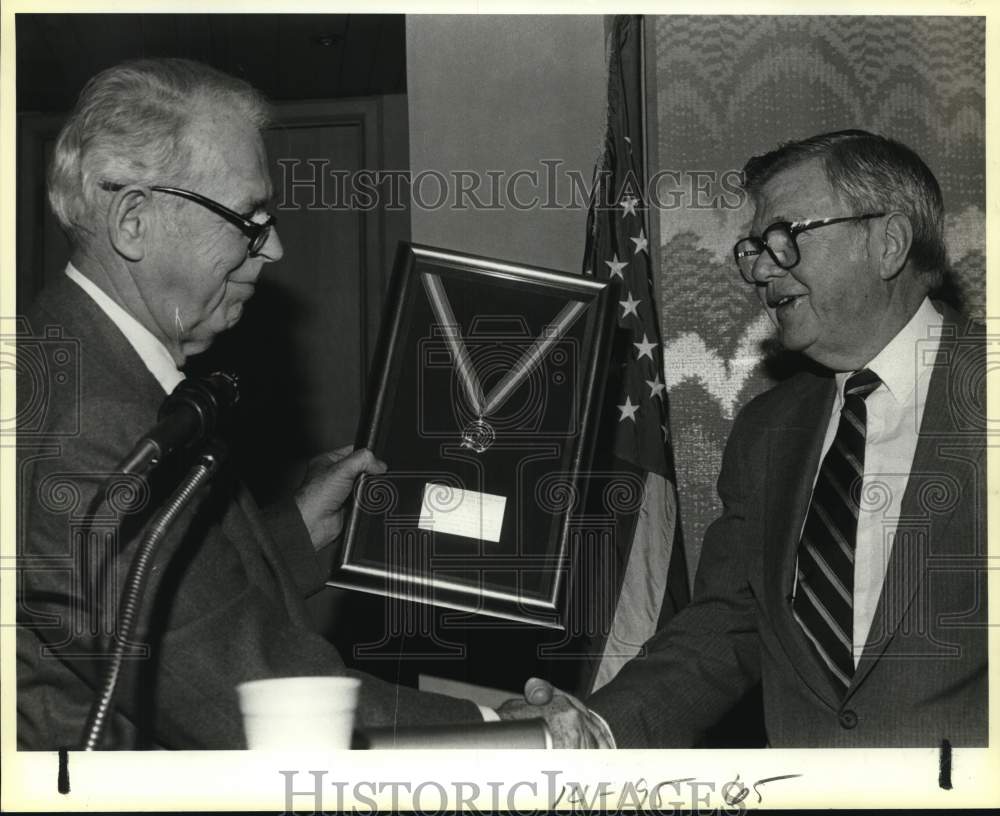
{"x":649,"y":551}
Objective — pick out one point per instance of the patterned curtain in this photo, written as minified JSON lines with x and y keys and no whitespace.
{"x":726,"y":88}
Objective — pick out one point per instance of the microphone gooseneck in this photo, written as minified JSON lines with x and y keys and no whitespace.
{"x":186,"y":419}
{"x":135,"y":586}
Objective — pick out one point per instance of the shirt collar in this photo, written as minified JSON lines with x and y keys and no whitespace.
{"x":908,"y":356}
{"x":151,"y":351}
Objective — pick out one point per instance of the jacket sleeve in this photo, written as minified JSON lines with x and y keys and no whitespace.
{"x":285,"y":525}
{"x":691,"y":672}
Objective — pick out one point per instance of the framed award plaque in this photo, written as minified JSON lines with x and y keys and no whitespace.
{"x":486,"y":388}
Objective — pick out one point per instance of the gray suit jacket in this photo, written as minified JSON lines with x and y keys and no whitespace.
{"x":225,"y":596}
{"x":923,"y":675}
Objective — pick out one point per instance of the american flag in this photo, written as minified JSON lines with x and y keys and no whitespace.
{"x":649,"y":548}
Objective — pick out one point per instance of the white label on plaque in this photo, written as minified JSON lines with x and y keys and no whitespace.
{"x":447,"y":509}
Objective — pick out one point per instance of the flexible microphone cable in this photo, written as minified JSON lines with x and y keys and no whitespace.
{"x":135,"y":584}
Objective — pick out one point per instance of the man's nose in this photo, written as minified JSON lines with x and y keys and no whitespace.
{"x":272,"y":249}
{"x":765,"y":268}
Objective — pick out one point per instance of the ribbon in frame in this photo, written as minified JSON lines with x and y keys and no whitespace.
{"x":478,"y":434}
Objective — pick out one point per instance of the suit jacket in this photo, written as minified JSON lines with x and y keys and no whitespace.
{"x":922,"y":677}
{"x":224,"y":602}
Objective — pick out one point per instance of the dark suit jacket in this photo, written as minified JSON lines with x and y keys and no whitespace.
{"x":225,"y":596}
{"x":922,"y":677}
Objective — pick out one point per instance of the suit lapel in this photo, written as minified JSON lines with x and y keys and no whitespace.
{"x":921,"y":525}
{"x":76,"y":314}
{"x":793,"y":458}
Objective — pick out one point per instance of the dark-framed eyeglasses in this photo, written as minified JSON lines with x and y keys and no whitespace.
{"x":256,"y":232}
{"x":779,"y":241}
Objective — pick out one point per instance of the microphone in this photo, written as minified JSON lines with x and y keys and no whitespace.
{"x":188,"y":416}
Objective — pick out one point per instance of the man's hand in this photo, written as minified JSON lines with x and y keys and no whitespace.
{"x":571,"y":723}
{"x":327,"y":485}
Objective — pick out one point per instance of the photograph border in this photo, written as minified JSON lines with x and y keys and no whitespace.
{"x":237,"y":781}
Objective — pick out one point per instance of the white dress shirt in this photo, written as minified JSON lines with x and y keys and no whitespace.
{"x":152,"y":352}
{"x":895,"y":410}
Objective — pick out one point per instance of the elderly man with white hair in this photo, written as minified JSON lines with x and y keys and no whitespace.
{"x":160,"y":180}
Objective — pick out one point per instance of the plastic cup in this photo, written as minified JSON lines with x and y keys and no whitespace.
{"x":299,"y":713}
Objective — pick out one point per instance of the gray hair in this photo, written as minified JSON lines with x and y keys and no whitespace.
{"x":873,"y":174}
{"x":130,"y":125}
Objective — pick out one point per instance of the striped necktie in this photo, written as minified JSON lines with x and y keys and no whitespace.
{"x":824,"y":596}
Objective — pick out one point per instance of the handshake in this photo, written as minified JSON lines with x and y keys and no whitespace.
{"x":571,"y":723}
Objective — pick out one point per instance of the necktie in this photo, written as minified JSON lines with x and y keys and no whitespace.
{"x":824,"y":596}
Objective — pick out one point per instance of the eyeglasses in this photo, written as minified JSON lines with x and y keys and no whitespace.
{"x":256,"y":232}
{"x":779,"y":241}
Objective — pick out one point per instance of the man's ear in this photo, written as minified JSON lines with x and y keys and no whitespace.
{"x":129,"y":222}
{"x":897,"y":238}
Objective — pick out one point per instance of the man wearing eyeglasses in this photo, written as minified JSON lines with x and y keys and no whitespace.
{"x":160,"y":180}
{"x":847,"y":573}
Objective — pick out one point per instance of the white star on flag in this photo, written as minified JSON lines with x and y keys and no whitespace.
{"x":616,"y":266}
{"x":629,"y":306}
{"x":628,"y":410}
{"x":656,"y":387}
{"x":645,"y":348}
{"x":628,"y":205}
{"x":641,"y":242}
